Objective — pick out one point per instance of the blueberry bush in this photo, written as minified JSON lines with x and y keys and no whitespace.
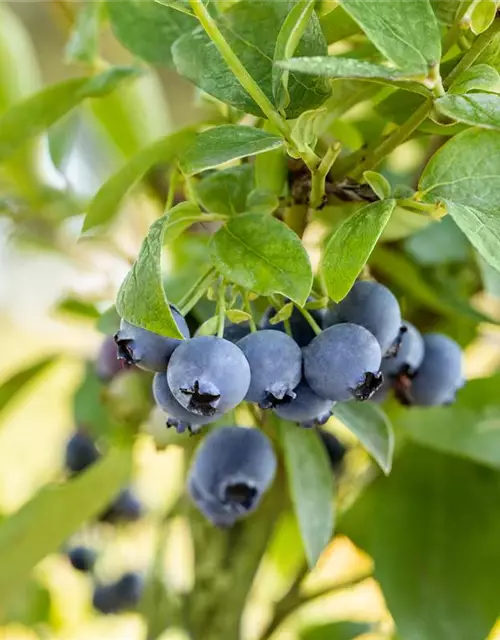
{"x":305,"y":258}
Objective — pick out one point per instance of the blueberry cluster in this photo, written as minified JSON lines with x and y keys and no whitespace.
{"x":362,"y":350}
{"x":124,"y":593}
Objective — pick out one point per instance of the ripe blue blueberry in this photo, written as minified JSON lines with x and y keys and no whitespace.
{"x":232,"y":469}
{"x":236,"y":331}
{"x":179,"y":417}
{"x":118,"y":596}
{"x":82,"y":558}
{"x":126,"y":508}
{"x":372,"y":306}
{"x":276,"y":366}
{"x":334,"y":448}
{"x":81,"y":452}
{"x":343,"y":362}
{"x":208,"y":375}
{"x":409,"y":355}
{"x":440,"y":374}
{"x":307,"y":408}
{"x":301,"y":330}
{"x":146,"y":349}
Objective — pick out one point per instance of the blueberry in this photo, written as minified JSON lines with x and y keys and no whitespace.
{"x":409,"y":355}
{"x":146,"y":349}
{"x":372,"y":306}
{"x":82,"y":558}
{"x":118,"y":596}
{"x":208,"y":375}
{"x":108,"y":365}
{"x":179,"y":417}
{"x":334,"y":448}
{"x":126,"y":508}
{"x":343,"y":362}
{"x":440,"y":374}
{"x":235,"y":332}
{"x":232,"y":469}
{"x":275,"y":364}
{"x":81,"y":452}
{"x":307,"y":408}
{"x":301,"y":330}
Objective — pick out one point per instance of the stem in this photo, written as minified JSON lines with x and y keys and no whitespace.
{"x":312,"y":322}
{"x":196,"y":292}
{"x":318,"y":176}
{"x":221,"y":310}
{"x":417,"y":206}
{"x":172,"y":186}
{"x":248,"y":309}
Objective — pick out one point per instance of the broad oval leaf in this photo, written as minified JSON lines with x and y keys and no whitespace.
{"x":310,"y":480}
{"x":225,"y":143}
{"x":251,"y":28}
{"x":338,"y":67}
{"x":480,"y":77}
{"x":479,"y":109}
{"x":106,"y":202}
{"x":141,"y":299}
{"x":226,"y":191}
{"x":374,"y":430}
{"x":263,"y":255}
{"x":54,"y":514}
{"x":378,"y":183}
{"x":351,"y":246}
{"x":337,"y":25}
{"x":433,"y":536}
{"x":35,"y":114}
{"x":17,"y":383}
{"x":405,"y":31}
{"x":148,"y":29}
{"x":483,"y":15}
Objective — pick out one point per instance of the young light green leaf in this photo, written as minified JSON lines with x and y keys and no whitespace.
{"x":141,"y":299}
{"x":11,"y":388}
{"x":59,"y":511}
{"x":251,"y":28}
{"x":310,"y":481}
{"x":283,"y":314}
{"x":483,"y":15}
{"x":351,"y":245}
{"x":405,"y":31}
{"x":378,"y":183}
{"x":482,"y":228}
{"x":35,"y":114}
{"x":370,"y":424}
{"x":289,"y":36}
{"x":61,"y":138}
{"x":262,"y":201}
{"x":263,"y":255}
{"x":209,"y":327}
{"x":148,"y":29}
{"x":418,"y":569}
{"x":335,"y":631}
{"x":337,"y":25}
{"x":480,"y":77}
{"x":106,"y":202}
{"x":183,"y":216}
{"x":225,"y":143}
{"x":338,"y":67}
{"x":237,"y":316}
{"x":479,"y":109}
{"x":83,"y":45}
{"x":226,"y":191}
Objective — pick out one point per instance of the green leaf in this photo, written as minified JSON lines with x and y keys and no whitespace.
{"x":89,"y":410}
{"x":479,"y":109}
{"x":338,"y":67}
{"x":440,"y":242}
{"x":178,"y":5}
{"x":35,"y":114}
{"x":237,"y":316}
{"x":109,"y":322}
{"x":310,"y":481}
{"x":335,"y":631}
{"x":251,"y":28}
{"x":370,"y":424}
{"x":405,"y":31}
{"x":480,"y":77}
{"x":209,"y":327}
{"x":262,"y":201}
{"x":61,"y":138}
{"x":263,"y":255}
{"x":180,"y":218}
{"x":271,"y":171}
{"x":106,"y":202}
{"x":338,"y":25}
{"x":30,"y":607}
{"x":141,"y":299}
{"x":289,"y":36}
{"x":448,"y":11}
{"x":433,"y":535}
{"x":469,"y":429}
{"x":482,"y":228}
{"x":83,"y":45}
{"x":226,"y":191}
{"x":378,"y":183}
{"x":54,"y":514}
{"x":225,"y":143}
{"x":483,"y":15}
{"x":283,"y":314}
{"x":78,"y":308}
{"x":351,"y":246}
{"x":11,"y":388}
{"x":147,"y":28}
